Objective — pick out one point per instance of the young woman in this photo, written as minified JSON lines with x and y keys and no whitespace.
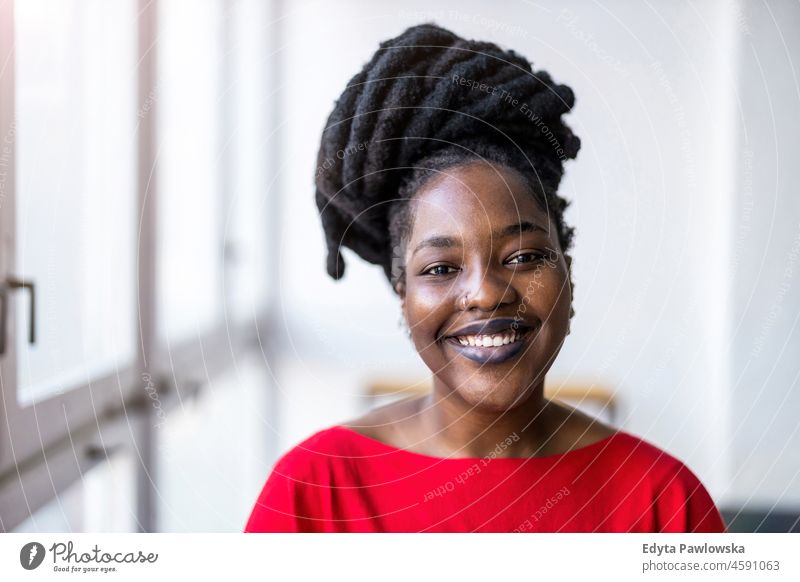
{"x":441,"y":162}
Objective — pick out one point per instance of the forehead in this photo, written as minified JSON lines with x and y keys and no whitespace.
{"x":474,"y":200}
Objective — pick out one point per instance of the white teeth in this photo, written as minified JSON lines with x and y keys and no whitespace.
{"x":486,"y":341}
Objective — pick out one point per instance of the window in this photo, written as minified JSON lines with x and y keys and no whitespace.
{"x":132,"y":199}
{"x":75,"y":190}
{"x":189,"y":160}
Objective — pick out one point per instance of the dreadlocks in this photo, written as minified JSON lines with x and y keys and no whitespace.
{"x":426,"y":101}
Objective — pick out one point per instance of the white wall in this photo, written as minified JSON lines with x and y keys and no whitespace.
{"x":653,"y":193}
{"x":766,"y":253}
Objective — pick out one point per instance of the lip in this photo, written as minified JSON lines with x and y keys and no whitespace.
{"x":489,"y":327}
{"x":490,"y":354}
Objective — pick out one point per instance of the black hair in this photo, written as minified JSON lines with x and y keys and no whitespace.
{"x":426,"y":101}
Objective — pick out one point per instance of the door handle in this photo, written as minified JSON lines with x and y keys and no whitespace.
{"x":12,"y":284}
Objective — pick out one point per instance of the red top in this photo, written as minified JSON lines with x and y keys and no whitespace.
{"x":339,"y":480}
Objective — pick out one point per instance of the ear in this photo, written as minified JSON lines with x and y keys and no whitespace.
{"x":400,"y":288}
{"x":569,"y":280}
{"x":401,"y":291}
{"x":569,"y":271}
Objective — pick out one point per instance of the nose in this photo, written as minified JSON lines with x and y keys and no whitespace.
{"x":487,"y":289}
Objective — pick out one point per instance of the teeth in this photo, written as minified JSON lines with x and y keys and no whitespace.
{"x":486,"y":341}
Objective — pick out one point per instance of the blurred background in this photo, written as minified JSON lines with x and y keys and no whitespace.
{"x":168,"y":327}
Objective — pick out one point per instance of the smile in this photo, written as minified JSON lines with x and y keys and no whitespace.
{"x":489,"y":341}
{"x":490,"y":349}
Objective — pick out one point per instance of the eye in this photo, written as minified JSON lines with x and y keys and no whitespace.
{"x":439,"y":270}
{"x":524,"y":258}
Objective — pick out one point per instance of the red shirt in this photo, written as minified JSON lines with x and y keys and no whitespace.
{"x":339,"y":480}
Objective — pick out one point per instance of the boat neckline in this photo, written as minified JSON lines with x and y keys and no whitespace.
{"x":375,"y":443}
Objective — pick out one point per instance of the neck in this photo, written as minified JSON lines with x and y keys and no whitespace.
{"x":456,"y":428}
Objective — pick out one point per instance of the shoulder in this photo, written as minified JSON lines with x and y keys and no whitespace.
{"x":639,"y":455}
{"x":318,"y":450}
{"x":677,"y":499}
{"x":294,"y":487}
{"x":574,"y":429}
{"x":624,"y":454}
{"x":394,"y":424}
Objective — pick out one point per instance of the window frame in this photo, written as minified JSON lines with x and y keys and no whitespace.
{"x":89,"y":422}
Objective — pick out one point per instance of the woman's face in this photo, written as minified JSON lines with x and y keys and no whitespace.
{"x":479,"y":233}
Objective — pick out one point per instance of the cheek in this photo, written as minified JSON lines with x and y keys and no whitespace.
{"x":427,"y":308}
{"x":428,"y":311}
{"x":550,"y":304}
{"x":546,"y":291}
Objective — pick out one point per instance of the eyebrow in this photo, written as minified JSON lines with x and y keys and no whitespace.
{"x":441,"y":242}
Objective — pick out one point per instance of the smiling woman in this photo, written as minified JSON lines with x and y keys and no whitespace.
{"x":455,"y":196}
{"x":490,"y":279}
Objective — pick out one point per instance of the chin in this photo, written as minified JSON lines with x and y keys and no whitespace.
{"x":491,"y":398}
